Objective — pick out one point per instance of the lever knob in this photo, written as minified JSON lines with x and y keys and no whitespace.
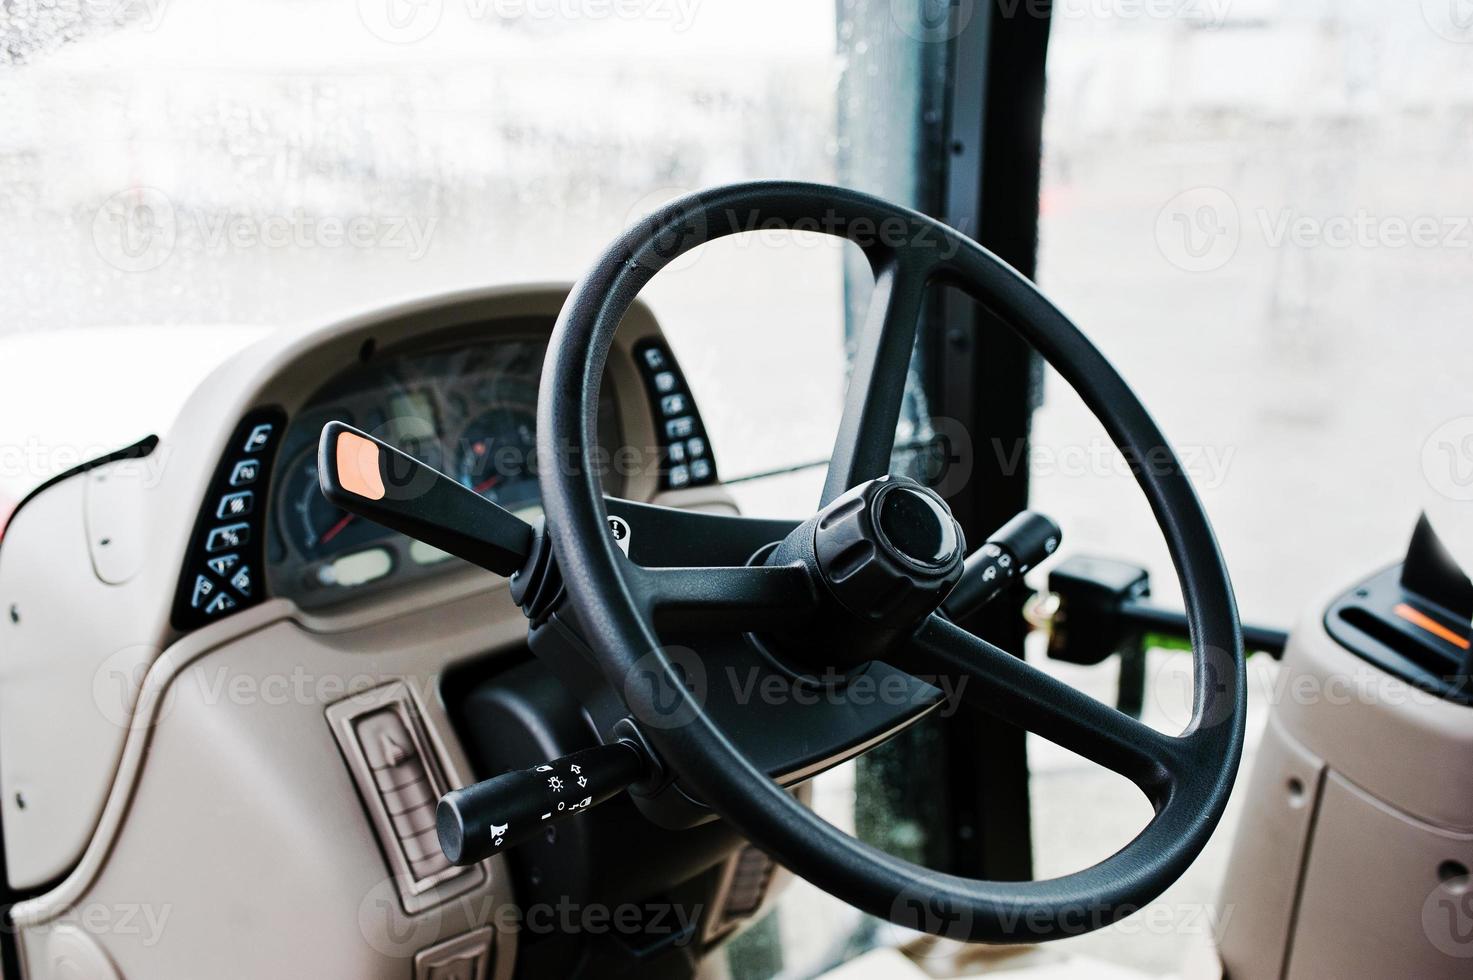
{"x":370,"y":478}
{"x":491,"y":816}
{"x":1013,"y":549}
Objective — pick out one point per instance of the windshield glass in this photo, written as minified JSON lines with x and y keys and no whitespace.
{"x":199,"y":165}
{"x":282,"y":162}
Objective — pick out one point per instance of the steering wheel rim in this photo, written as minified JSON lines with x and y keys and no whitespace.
{"x":1188,"y":777}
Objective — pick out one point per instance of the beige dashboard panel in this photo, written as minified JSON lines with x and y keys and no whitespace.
{"x":72,"y":654}
{"x":114,"y":497}
{"x":243,"y":848}
{"x":91,"y":618}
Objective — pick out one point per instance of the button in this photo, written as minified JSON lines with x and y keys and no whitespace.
{"x":664,"y":381}
{"x":680,"y":428}
{"x":673,"y":404}
{"x":679,"y":476}
{"x":414,"y":822}
{"x":917,"y":525}
{"x":385,"y":741}
{"x":222,"y":565}
{"x":696,"y":446}
{"x":654,"y":358}
{"x":258,"y":438}
{"x":677,"y":452}
{"x":466,"y":957}
{"x":406,"y":798}
{"x":421,"y":870}
{"x":221,"y":603}
{"x":203,"y":589}
{"x":242,"y":581}
{"x":397,"y":776}
{"x":236,"y":504}
{"x":700,"y":469}
{"x":245,"y":473}
{"x":230,"y":536}
{"x":421,"y":845}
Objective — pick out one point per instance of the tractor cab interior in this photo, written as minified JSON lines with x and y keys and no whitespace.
{"x":711,"y":491}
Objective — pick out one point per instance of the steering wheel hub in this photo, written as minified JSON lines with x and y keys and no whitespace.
{"x":888,"y":550}
{"x":916,"y":526}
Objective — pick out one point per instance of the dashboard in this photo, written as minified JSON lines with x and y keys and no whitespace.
{"x":462,"y":399}
{"x":196,"y":612}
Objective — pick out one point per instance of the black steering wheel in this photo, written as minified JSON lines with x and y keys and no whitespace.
{"x":873,"y":567}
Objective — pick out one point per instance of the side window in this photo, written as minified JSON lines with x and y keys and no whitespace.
{"x":1260,"y":213}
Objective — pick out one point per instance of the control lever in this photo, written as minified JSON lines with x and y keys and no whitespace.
{"x":368,"y":477}
{"x":491,"y":816}
{"x":1012,"y":550}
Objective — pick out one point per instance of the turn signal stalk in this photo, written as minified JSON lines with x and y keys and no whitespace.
{"x":481,"y":820}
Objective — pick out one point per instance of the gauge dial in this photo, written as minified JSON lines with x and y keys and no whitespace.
{"x":313,"y":526}
{"x":496,"y":455}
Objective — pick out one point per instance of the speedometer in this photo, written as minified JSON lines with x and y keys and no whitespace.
{"x":496,"y":455}
{"x":313,"y":526}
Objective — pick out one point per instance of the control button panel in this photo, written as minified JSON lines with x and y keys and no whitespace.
{"x":746,"y":882}
{"x":218,"y":577}
{"x":400,"y":779}
{"x":686,"y":459}
{"x":403,"y":786}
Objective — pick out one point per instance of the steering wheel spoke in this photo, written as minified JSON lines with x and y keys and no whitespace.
{"x":866,"y":436}
{"x":723,"y":598}
{"x":1011,"y":689}
{"x":692,"y":571}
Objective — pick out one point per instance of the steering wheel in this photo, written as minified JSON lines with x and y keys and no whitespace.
{"x":868,"y":518}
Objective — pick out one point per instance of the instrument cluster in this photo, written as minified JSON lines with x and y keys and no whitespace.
{"x":469,"y":411}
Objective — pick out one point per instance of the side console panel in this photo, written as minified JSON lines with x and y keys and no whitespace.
{"x":1374,"y":902}
{"x":1353,"y":854}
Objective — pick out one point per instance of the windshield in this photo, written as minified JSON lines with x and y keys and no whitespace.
{"x":261,"y":163}
{"x":199,"y":171}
